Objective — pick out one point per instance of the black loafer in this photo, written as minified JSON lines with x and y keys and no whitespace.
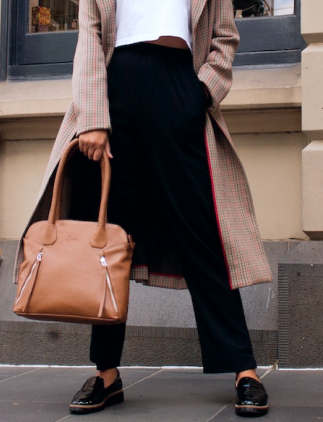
{"x":252,"y":399}
{"x":93,"y":397}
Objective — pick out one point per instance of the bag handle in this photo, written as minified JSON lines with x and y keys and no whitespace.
{"x":99,"y":238}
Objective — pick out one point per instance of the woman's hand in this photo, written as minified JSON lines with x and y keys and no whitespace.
{"x":93,"y":143}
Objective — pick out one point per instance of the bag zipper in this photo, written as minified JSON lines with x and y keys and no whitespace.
{"x":104,"y":264}
{"x":37,"y":262}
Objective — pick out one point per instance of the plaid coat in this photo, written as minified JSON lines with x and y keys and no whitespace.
{"x":215,"y":39}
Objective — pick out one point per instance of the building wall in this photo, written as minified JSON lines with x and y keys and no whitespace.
{"x":272,"y":163}
{"x":273,"y":114}
{"x":22,"y":164}
{"x":263,"y":114}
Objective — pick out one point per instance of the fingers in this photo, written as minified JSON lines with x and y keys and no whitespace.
{"x":93,"y":144}
{"x":108,"y":149}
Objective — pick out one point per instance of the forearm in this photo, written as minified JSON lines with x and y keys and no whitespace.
{"x":216,"y":72}
{"x":89,"y":74}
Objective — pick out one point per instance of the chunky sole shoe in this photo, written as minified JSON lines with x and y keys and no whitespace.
{"x":252,"y":399}
{"x":94,"y":397}
{"x":251,"y":411}
{"x":114,"y":398}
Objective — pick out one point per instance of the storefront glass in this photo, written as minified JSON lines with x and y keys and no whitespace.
{"x":62,"y":15}
{"x":259,"y":8}
{"x":53,"y":15}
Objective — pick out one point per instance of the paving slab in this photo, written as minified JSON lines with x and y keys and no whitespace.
{"x":55,"y":385}
{"x":294,"y":396}
{"x":13,"y":371}
{"x":296,"y":388}
{"x":32,"y":412}
{"x":168,"y":395}
{"x":31,"y":394}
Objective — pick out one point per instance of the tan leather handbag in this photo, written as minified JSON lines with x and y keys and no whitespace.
{"x":75,"y":271}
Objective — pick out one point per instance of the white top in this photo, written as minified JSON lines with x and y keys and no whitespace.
{"x":147,"y":20}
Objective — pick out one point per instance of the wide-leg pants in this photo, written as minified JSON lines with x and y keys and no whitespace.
{"x":157,"y":109}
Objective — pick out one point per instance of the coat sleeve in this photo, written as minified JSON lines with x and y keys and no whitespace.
{"x":89,"y":79}
{"x":216,"y":72}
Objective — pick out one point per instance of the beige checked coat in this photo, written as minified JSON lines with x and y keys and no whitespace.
{"x":215,"y":40}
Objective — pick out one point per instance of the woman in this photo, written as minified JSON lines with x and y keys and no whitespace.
{"x":148,"y":80}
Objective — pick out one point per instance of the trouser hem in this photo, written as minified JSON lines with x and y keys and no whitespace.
{"x":220,"y":367}
{"x":106,"y":367}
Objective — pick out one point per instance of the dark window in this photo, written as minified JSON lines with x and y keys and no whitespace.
{"x":270,"y":32}
{"x":260,"y":8}
{"x":38,"y":37}
{"x":44,"y":35}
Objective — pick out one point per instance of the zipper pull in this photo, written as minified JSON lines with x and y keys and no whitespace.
{"x":103,"y":261}
{"x":39,"y":256}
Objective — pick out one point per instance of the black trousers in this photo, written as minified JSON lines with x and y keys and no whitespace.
{"x":157,"y":107}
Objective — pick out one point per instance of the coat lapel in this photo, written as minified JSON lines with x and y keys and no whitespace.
{"x":197,"y":7}
{"x":107,"y":10}
{"x":108,"y":4}
{"x":196,"y":11}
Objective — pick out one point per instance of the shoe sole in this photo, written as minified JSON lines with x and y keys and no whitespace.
{"x":114,"y":398}
{"x":252,"y":411}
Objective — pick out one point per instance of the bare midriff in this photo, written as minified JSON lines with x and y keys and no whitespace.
{"x":174,"y":42}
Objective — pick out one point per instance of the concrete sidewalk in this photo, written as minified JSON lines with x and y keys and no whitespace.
{"x":42,"y":394}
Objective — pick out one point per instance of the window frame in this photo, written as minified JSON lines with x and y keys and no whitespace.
{"x":19,"y":48}
{"x":280,"y":40}
{"x":24,"y":47}
{"x":4,"y":39}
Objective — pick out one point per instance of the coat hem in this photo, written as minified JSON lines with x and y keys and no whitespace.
{"x":142,"y":275}
{"x":216,"y":211}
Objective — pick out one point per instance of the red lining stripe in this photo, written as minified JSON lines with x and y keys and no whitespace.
{"x":216,"y":209}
